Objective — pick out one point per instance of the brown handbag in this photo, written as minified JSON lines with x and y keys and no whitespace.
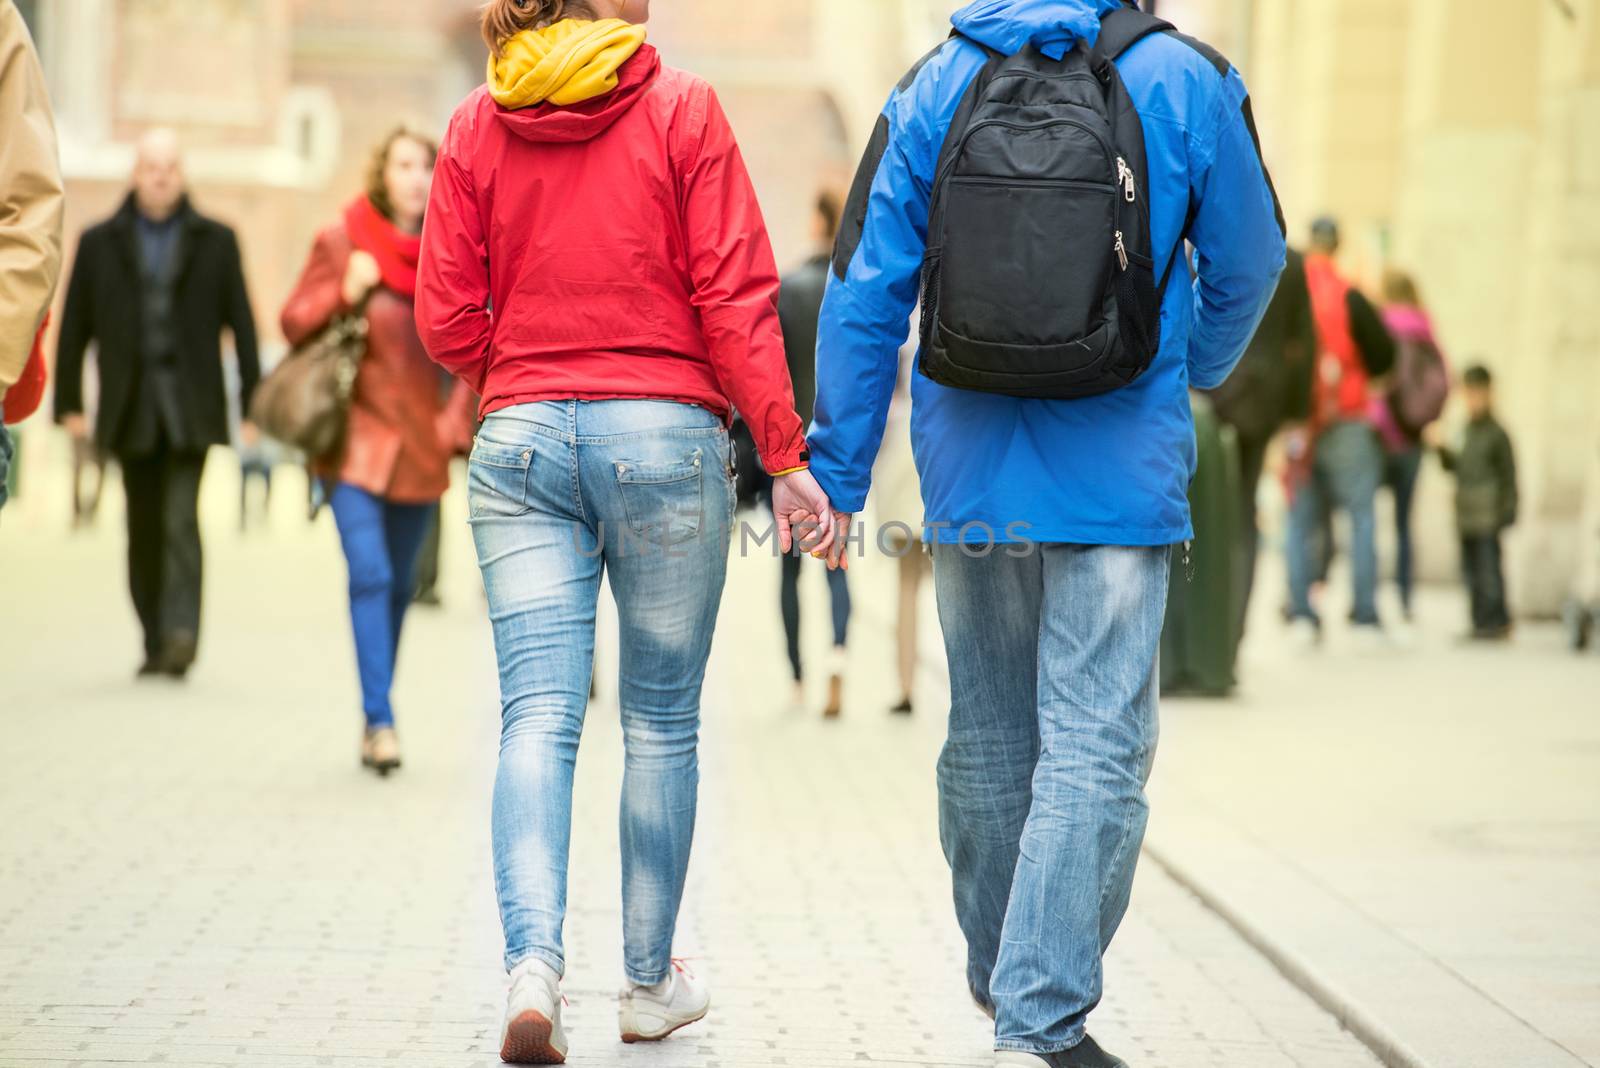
{"x":305,"y":401}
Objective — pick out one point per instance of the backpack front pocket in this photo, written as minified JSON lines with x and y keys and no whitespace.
{"x":1034,"y":259}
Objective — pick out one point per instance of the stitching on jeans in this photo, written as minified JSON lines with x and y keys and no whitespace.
{"x":577,"y":484}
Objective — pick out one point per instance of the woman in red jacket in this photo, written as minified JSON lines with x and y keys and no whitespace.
{"x":394,"y":465}
{"x":596,"y":267}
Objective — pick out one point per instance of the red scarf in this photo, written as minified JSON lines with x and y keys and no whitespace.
{"x":395,"y":250}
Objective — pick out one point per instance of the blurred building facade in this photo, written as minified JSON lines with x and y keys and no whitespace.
{"x":1457,"y":138}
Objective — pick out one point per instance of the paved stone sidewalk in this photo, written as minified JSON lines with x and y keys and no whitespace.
{"x":201,"y":875}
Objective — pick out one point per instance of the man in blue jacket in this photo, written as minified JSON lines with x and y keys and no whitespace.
{"x":1051,"y":521}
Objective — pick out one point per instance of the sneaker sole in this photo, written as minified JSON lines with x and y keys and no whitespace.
{"x":528,"y":1041}
{"x":630,"y":1037}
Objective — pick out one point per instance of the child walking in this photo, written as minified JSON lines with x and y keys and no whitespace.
{"x":1486,"y":502}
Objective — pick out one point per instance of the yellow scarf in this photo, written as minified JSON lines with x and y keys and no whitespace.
{"x":566,"y":62}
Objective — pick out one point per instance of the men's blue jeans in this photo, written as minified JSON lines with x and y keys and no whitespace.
{"x":1346,"y":471}
{"x":561,"y":492}
{"x":1053,"y":688}
{"x":381,"y":540}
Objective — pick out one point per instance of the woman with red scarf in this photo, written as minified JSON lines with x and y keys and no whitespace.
{"x":394,"y":466}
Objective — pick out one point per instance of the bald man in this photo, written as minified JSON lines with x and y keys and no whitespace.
{"x":154,"y":287}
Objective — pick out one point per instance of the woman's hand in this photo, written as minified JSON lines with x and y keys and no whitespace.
{"x":361,"y":277}
{"x":797,"y":501}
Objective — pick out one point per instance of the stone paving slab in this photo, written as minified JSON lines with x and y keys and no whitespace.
{"x":200,"y":875}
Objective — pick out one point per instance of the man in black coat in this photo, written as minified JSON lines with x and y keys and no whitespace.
{"x":153,"y":287}
{"x":1269,"y":388}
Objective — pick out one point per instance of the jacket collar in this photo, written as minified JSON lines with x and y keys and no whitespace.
{"x":125,"y":221}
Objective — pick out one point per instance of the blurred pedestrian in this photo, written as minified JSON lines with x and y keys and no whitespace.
{"x":1339,"y":459}
{"x":155,"y":286}
{"x":1269,"y":389}
{"x":426,"y":586}
{"x":385,"y":482}
{"x":1485,"y":467}
{"x":1416,"y":397}
{"x":1052,"y":507}
{"x":799,"y":304}
{"x":897,"y":501}
{"x":595,"y":265}
{"x":30,"y":220}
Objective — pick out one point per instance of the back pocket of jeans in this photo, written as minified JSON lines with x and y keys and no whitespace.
{"x":662,"y":498}
{"x":497,"y":479}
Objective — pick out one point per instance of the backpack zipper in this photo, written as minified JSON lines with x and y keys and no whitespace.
{"x":947,"y":165}
{"x":1122,"y":251}
{"x":1125,"y":179}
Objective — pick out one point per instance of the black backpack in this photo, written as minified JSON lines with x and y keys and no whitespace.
{"x":1039,"y":279}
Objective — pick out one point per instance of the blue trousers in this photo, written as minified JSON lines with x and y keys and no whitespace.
{"x":789,"y":604}
{"x":381,"y":540}
{"x":563,"y":493}
{"x":1400,"y":471}
{"x":1041,"y":782}
{"x":1346,"y":472}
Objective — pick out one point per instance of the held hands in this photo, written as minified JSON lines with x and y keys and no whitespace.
{"x":75,"y":425}
{"x":839,"y":555}
{"x":361,"y":277}
{"x":799,"y":503}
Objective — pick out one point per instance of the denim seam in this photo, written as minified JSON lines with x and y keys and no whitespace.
{"x":541,"y":429}
{"x":1010,"y":1046}
{"x":644,"y":979}
{"x":572,"y":444}
{"x":1122,"y":842}
{"x":650,"y":434}
{"x":552,"y":959}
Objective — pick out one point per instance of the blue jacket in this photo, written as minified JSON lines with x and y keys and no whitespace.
{"x":1112,"y":469}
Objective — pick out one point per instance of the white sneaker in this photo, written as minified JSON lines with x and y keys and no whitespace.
{"x":1304,"y":635}
{"x":651,"y":1013}
{"x":1370,"y":638}
{"x":532,"y":1033}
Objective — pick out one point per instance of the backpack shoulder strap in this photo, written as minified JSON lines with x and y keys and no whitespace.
{"x":1125,"y":27}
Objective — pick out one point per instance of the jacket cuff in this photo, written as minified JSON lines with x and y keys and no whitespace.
{"x":790,"y":460}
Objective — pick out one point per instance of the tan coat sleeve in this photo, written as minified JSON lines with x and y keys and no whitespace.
{"x":30,"y":196}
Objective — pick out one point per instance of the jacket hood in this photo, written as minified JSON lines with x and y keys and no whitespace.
{"x":552,"y":122}
{"x":1050,"y":25}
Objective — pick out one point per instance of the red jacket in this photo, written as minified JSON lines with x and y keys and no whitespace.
{"x":608,"y":249}
{"x":402,"y":431}
{"x":1339,"y":385}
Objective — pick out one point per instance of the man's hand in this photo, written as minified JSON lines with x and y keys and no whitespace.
{"x":75,"y":425}
{"x":797,"y":500}
{"x":360,"y":277}
{"x":839,"y":555}
{"x":1433,"y":436}
{"x":248,"y":434}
